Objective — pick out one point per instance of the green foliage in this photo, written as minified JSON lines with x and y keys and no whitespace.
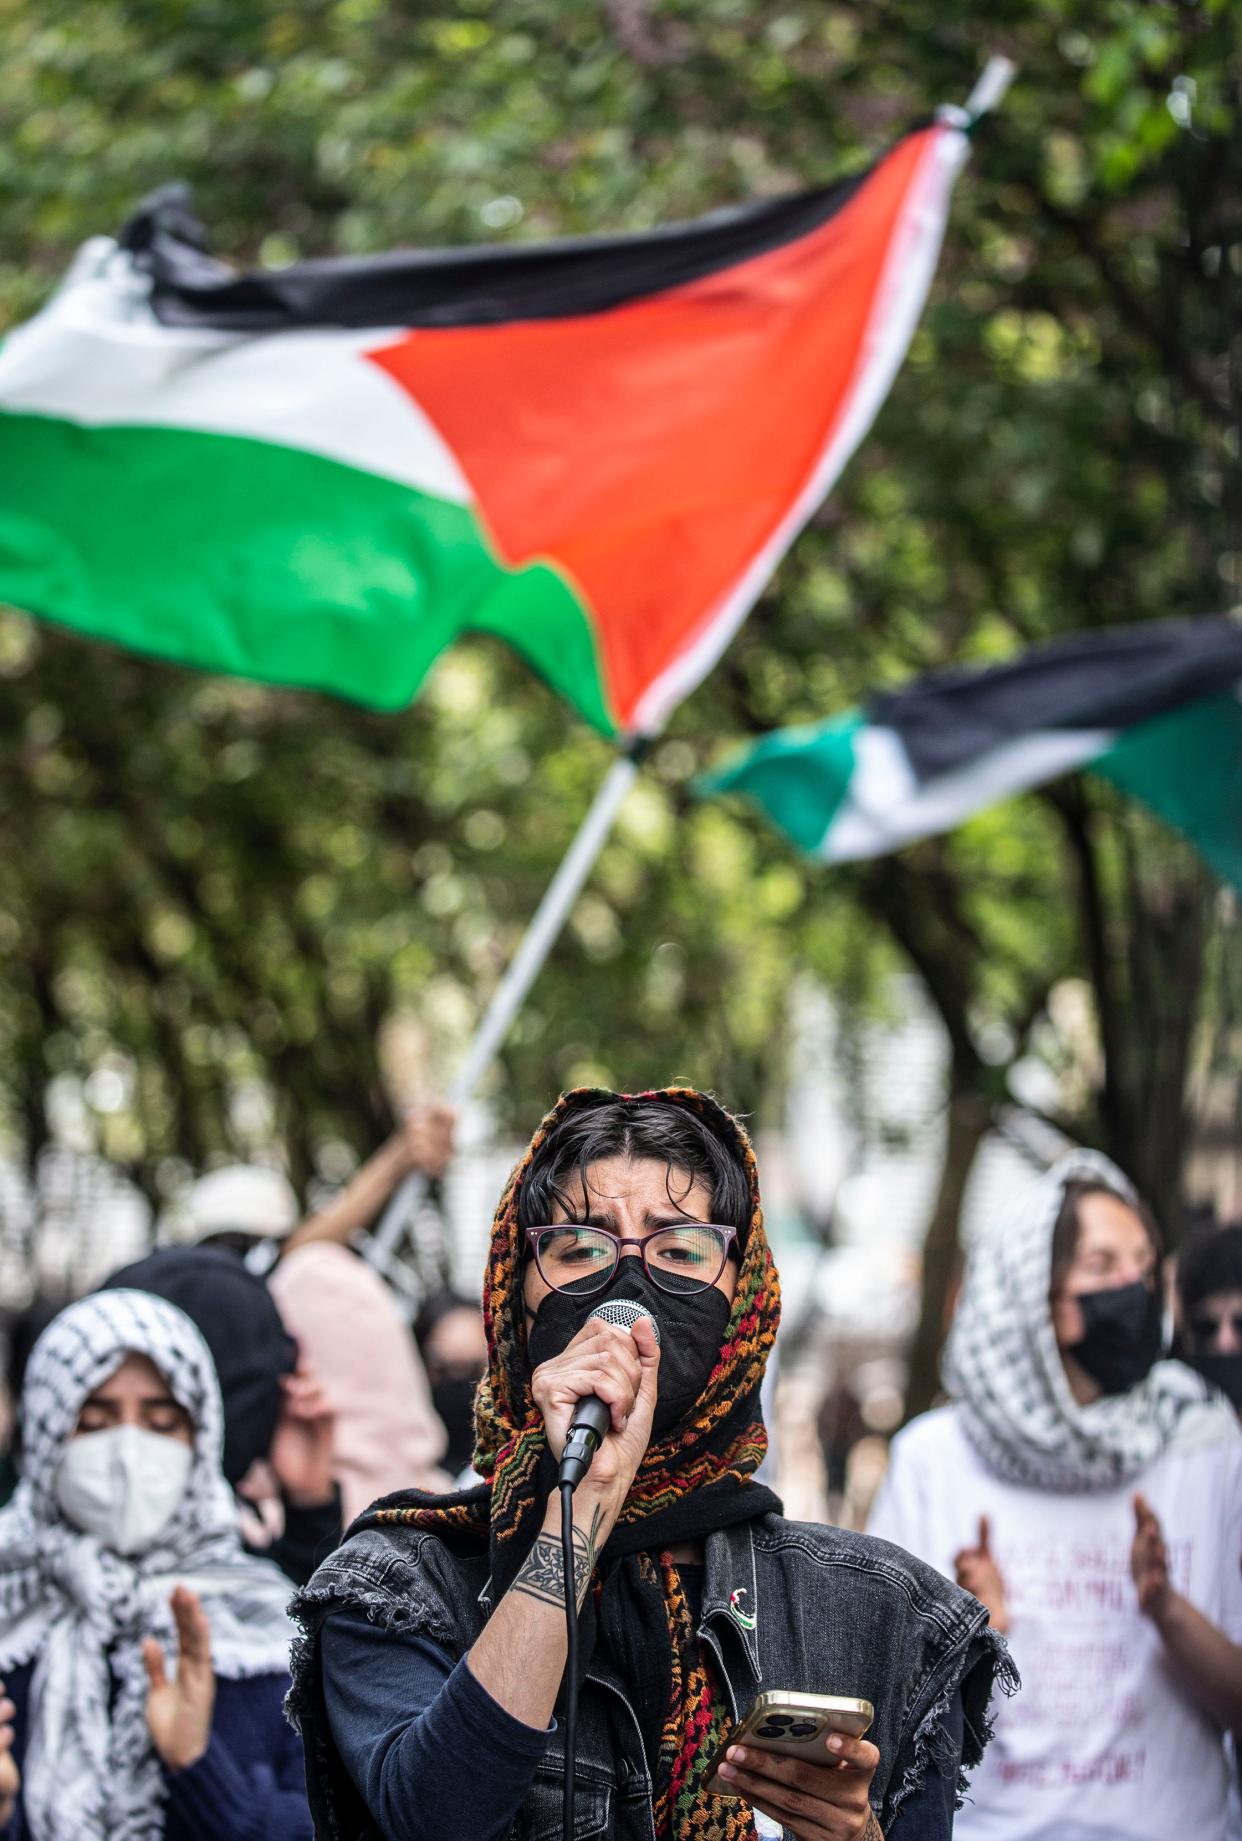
{"x":215,"y":884}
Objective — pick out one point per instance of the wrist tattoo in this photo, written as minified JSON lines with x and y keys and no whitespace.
{"x":542,"y":1573}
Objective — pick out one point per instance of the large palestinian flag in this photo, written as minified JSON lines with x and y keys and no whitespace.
{"x":1156,"y":709}
{"x":598,"y":450}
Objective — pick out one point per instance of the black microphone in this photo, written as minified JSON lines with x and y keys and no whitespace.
{"x":592,"y":1416}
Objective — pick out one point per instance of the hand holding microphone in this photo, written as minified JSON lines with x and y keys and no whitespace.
{"x":591,"y":1418}
{"x":598,"y":1401}
{"x":605,"y":1380}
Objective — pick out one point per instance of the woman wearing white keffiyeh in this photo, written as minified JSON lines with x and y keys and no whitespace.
{"x":1003,"y":1364}
{"x":1039,"y":1488}
{"x":99,"y":1729}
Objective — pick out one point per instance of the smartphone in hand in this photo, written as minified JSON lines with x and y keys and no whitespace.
{"x":795,"y":1725}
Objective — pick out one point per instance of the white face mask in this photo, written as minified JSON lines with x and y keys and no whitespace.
{"x":123,"y":1485}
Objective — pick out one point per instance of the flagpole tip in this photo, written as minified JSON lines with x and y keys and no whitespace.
{"x":994,"y":79}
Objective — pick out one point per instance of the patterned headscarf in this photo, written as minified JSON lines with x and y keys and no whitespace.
{"x":1003,"y":1366}
{"x":697,"y":1478}
{"x":91,"y":1773}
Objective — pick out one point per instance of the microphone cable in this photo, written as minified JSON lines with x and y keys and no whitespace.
{"x":571,"y":1659}
{"x":587,"y":1430}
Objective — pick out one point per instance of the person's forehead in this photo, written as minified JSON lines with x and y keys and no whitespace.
{"x":1107,"y":1224}
{"x":1215,"y":1302}
{"x":459,"y":1331}
{"x":633,"y":1179}
{"x":135,"y":1373}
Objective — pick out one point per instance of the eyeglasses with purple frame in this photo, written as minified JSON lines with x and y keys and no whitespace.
{"x":726,"y":1238}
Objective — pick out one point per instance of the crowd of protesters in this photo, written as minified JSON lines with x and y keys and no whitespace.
{"x":277,"y":1562}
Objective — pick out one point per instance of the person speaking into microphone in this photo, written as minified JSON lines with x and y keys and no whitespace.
{"x":630,"y":1286}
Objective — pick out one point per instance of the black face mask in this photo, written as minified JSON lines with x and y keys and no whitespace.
{"x":453,"y":1399}
{"x":691,"y":1331}
{"x":1223,"y":1371}
{"x":1122,"y":1335}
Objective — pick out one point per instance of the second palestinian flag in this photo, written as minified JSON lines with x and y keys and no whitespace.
{"x":598,"y":450}
{"x":1156,"y":709}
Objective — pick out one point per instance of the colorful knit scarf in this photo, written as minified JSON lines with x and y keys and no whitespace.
{"x":697,"y":1479}
{"x":696,"y":1725}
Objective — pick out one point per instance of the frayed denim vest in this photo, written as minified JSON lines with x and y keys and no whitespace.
{"x":785,"y":1605}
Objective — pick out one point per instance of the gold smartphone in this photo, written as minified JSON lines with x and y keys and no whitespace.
{"x":796,"y":1726}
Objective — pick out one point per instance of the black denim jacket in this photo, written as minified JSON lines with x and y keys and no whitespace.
{"x":832,"y":1612}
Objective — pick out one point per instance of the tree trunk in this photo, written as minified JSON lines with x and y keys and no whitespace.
{"x":967,"y":1117}
{"x":1146,"y":904}
{"x":1149,"y":1073}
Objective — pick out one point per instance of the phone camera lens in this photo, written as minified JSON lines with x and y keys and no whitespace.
{"x":804,"y":1729}
{"x":774,"y":1728}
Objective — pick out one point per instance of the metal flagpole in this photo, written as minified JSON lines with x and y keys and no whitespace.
{"x":510,"y":993}
{"x":994,"y":79}
{"x":990,"y":87}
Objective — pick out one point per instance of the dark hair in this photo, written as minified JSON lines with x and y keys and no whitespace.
{"x":231,"y":1240}
{"x":654,"y":1129}
{"x":1065,"y":1233}
{"x":236,"y":1316}
{"x":1209,"y":1262}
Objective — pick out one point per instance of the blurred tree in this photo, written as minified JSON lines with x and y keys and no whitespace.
{"x":219,"y":892}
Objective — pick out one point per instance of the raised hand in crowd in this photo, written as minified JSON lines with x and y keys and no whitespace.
{"x":10,"y":1777}
{"x":1149,"y":1560}
{"x":179,"y":1711}
{"x":814,"y":1802}
{"x":427,"y":1133}
{"x":301,"y":1456}
{"x":423,"y":1141}
{"x":1199,"y":1650}
{"x":977,"y":1572}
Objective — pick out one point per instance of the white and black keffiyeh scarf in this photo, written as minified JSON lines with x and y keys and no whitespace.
{"x":1002,"y":1365}
{"x":91,"y":1773}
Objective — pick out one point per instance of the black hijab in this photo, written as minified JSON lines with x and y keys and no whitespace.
{"x":239,"y":1322}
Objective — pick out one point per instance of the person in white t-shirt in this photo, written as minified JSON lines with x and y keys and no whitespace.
{"x":1091,"y":1496}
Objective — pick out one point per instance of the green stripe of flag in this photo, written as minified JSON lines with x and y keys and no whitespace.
{"x":800,"y":776}
{"x":1187,"y":767}
{"x":271,"y":562}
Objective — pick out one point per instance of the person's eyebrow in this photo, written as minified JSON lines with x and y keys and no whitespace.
{"x":653,"y":1218}
{"x":161,"y":1400}
{"x":100,"y":1400}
